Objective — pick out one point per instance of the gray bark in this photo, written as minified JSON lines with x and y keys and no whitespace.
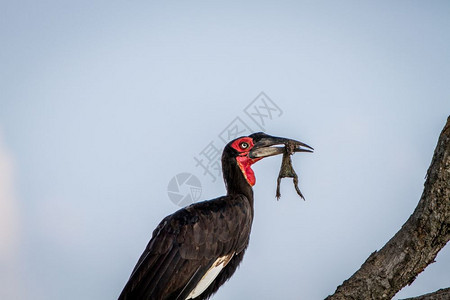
{"x":416,"y":244}
{"x":442,"y":294}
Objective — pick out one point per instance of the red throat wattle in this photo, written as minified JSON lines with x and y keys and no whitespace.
{"x":245,"y":164}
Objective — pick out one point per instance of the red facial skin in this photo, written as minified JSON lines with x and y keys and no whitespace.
{"x":243,"y":160}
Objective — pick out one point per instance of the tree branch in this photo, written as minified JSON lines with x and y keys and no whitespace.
{"x":442,"y":294}
{"x":416,"y":244}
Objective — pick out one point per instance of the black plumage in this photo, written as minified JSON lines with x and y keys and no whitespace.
{"x":186,"y":244}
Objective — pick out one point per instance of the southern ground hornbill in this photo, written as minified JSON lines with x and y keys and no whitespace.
{"x":195,"y":250}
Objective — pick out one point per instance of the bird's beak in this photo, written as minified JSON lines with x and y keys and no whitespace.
{"x":271,"y":145}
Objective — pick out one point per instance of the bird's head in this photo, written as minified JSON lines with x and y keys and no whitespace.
{"x":246,"y":150}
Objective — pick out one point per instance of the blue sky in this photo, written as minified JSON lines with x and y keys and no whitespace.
{"x":103,"y":103}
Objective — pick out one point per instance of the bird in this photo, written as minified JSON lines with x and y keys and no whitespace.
{"x":195,"y":250}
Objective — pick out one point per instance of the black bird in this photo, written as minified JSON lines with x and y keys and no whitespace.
{"x":195,"y":250}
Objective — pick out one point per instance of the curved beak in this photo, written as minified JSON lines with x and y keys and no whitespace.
{"x":267,"y":145}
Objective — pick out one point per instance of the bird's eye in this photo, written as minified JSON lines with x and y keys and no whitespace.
{"x":244,"y":145}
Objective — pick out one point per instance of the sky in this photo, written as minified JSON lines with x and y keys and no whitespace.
{"x":104,"y":103}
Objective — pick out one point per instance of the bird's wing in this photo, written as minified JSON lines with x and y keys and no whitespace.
{"x":185,"y":245}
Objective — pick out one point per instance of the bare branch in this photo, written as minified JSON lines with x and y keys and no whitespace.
{"x":416,"y":244}
{"x":442,"y":294}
